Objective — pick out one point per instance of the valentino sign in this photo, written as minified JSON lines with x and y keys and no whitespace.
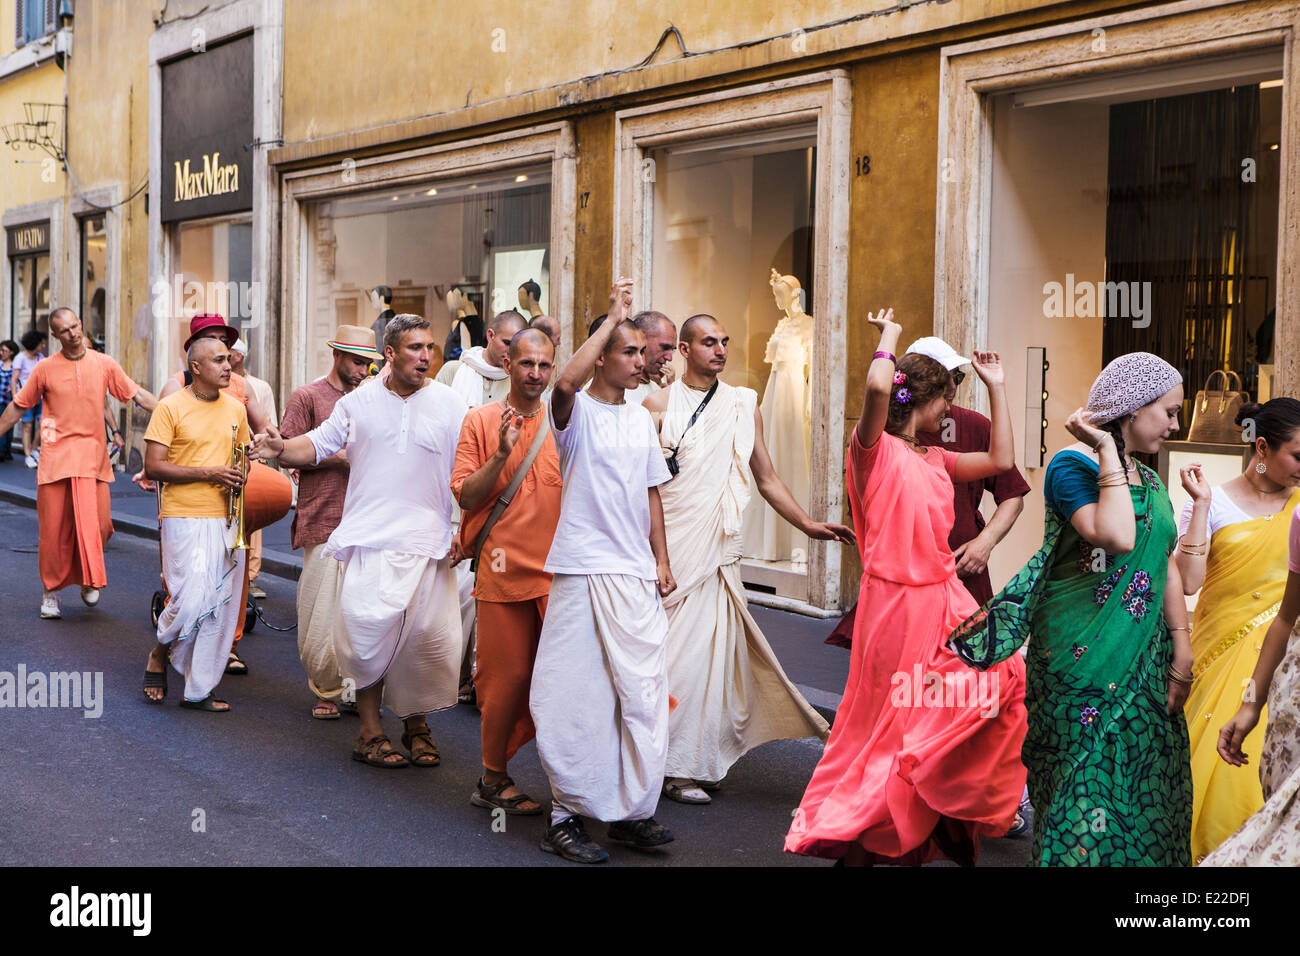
{"x":212,"y":179}
{"x":207,"y":129}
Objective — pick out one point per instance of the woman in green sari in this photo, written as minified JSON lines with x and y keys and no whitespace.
{"x":1109,"y":662}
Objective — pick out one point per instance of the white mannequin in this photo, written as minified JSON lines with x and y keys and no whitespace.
{"x":787,"y":426}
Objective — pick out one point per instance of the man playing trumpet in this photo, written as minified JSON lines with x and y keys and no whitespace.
{"x":189,"y":446}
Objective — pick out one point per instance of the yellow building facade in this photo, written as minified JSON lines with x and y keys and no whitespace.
{"x":1007,"y":175}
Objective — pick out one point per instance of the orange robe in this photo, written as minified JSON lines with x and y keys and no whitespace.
{"x":72,"y":479}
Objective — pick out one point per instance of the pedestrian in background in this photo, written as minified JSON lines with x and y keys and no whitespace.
{"x":33,"y":350}
{"x":8,"y":352}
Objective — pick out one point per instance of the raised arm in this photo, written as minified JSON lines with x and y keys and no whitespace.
{"x":1194,"y":545}
{"x":974,"y":465}
{"x":327,"y":439}
{"x":1109,"y":523}
{"x":478,"y":486}
{"x":880,"y":380}
{"x":578,"y":369}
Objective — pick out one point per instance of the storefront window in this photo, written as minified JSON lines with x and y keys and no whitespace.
{"x":30,"y":285}
{"x":485,"y":237}
{"x":94,"y":261}
{"x":216,"y":273}
{"x":726,"y":215}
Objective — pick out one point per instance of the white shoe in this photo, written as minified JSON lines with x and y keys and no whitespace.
{"x":50,"y":606}
{"x":89,"y":596}
{"x":29,"y":461}
{"x":36,"y":453}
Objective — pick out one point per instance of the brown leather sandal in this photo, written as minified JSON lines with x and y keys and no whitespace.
{"x":372,"y":752}
{"x":488,"y":796}
{"x":426,"y":755}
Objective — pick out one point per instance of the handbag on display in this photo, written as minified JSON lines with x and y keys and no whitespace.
{"x":1214,"y":412}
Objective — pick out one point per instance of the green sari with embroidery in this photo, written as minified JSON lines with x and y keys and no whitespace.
{"x":1109,"y":767}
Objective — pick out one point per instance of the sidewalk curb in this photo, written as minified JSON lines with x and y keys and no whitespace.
{"x":288,"y":566}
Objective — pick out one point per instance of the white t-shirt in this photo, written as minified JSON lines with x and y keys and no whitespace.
{"x":1222,"y":513}
{"x":400,"y":456}
{"x":639,"y":394}
{"x":609,"y":456}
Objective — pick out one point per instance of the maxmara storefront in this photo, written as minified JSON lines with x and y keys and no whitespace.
{"x":954,"y":166}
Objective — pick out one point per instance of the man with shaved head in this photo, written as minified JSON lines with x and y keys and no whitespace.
{"x":732,"y":692}
{"x":480,"y":378}
{"x":507,"y":446}
{"x":599,"y":696}
{"x":73,"y":474}
{"x":660,"y":343}
{"x":187,"y":448}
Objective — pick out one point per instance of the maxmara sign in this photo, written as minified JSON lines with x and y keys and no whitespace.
{"x":207,"y":126}
{"x":213,"y":178}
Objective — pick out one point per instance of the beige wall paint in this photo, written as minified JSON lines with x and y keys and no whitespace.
{"x":21,"y":182}
{"x":1049,"y":219}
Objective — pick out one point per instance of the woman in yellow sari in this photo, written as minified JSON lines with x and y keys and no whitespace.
{"x":1233,"y":548}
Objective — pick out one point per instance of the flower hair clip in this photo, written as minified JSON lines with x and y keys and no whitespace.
{"x":900,"y":378}
{"x":903,"y":396}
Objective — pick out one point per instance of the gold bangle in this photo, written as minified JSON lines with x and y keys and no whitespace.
{"x":1194,"y":544}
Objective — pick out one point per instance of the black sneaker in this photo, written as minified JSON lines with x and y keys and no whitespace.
{"x":569,"y":839}
{"x":643,"y":833}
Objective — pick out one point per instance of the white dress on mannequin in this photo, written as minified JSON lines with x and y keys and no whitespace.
{"x":787,"y":430}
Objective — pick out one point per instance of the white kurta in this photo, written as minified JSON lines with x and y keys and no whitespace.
{"x":204,"y":582}
{"x":732,"y":693}
{"x":398,"y":617}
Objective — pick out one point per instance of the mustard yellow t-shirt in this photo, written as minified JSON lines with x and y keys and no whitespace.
{"x":196,"y":433}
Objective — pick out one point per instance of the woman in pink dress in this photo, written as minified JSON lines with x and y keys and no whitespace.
{"x":924,"y":755}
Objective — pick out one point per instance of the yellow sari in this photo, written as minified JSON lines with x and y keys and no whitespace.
{"x":1244,"y":579}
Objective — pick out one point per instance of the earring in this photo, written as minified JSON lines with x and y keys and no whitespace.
{"x":1132,"y":419}
{"x":1260,"y":468}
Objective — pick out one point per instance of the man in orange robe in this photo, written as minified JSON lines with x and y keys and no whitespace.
{"x":72,"y":479}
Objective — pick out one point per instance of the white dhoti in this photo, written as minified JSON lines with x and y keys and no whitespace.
{"x":204,"y":582}
{"x":317,"y":592}
{"x":599,"y":696}
{"x":398,"y":620}
{"x":732,"y":694}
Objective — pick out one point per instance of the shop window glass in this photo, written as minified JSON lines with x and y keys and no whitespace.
{"x":94,"y":288}
{"x":485,"y":237}
{"x":726,"y":214}
{"x":216,"y":275}
{"x":30,"y":291}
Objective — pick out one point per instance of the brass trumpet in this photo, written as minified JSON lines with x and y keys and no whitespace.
{"x":235,"y":503}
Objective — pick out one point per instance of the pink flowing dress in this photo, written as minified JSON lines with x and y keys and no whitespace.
{"x":920,"y":741}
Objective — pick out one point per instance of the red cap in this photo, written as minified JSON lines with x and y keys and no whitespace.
{"x":209,"y":320}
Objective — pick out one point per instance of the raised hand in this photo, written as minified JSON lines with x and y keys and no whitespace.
{"x":1194,"y":482}
{"x":620,"y":300}
{"x":1090,"y":435}
{"x":512,"y":423}
{"x":883,"y":320}
{"x":988,"y":366}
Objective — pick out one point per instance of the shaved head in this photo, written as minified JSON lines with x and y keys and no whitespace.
{"x":527,"y":338}
{"x":507,"y":323}
{"x":696,"y":324}
{"x":202,"y":348}
{"x":62,"y":312}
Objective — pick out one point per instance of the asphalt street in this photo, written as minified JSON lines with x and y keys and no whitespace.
{"x":267,"y":785}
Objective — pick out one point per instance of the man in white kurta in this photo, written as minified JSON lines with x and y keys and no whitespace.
{"x":732,"y":693}
{"x":599,"y":695}
{"x":398,"y":628}
{"x":479,"y":377}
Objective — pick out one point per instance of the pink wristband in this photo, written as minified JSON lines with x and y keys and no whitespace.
{"x":888,"y":355}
